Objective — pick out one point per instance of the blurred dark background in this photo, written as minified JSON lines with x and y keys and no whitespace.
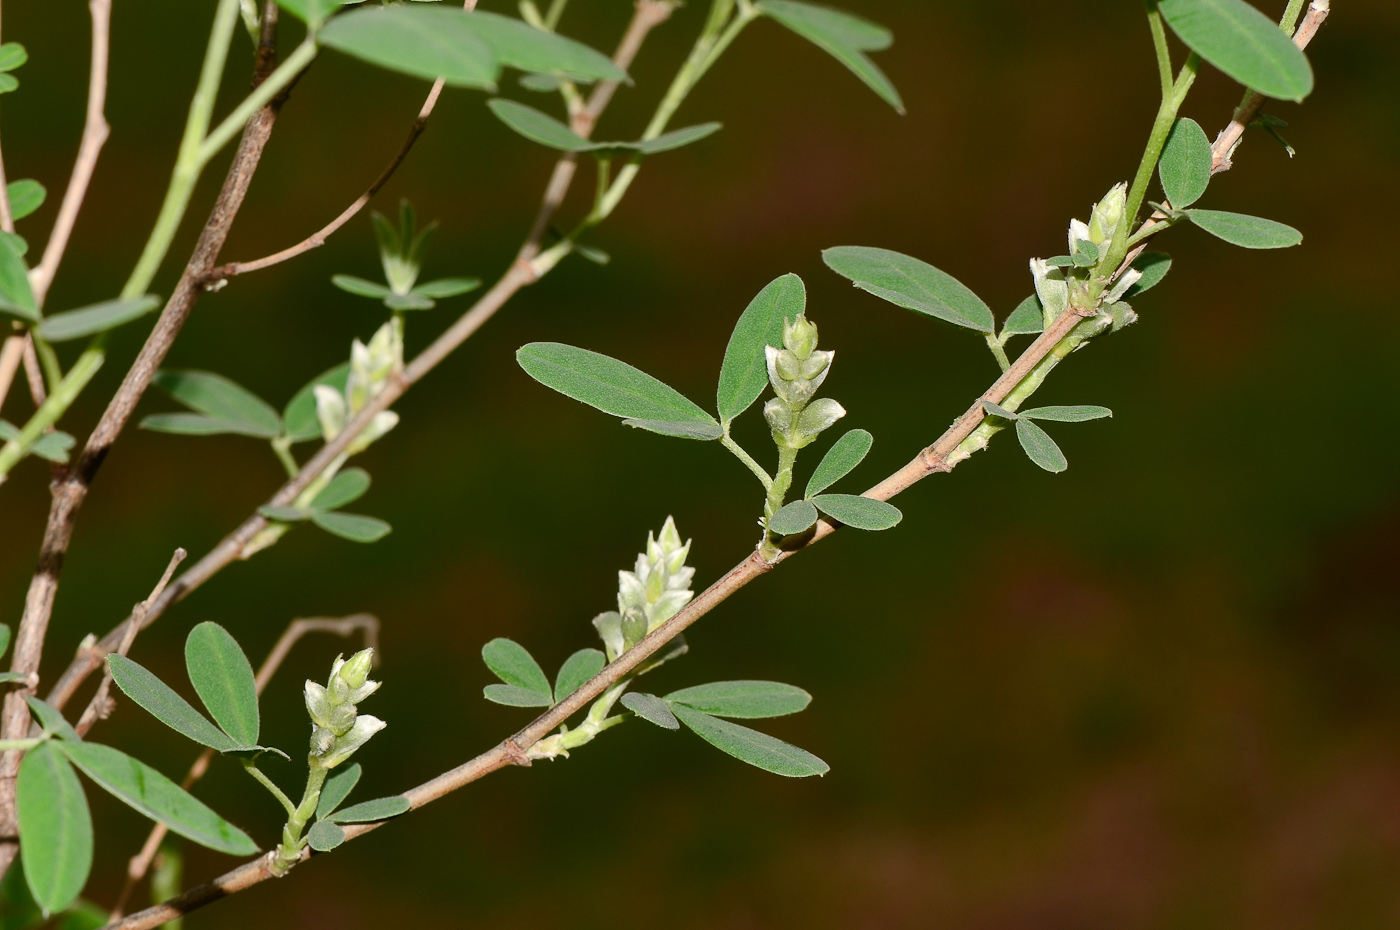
{"x":1160,"y":690}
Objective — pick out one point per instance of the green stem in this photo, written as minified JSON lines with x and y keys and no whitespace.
{"x":747,"y":459}
{"x":998,"y":347}
{"x":1151,"y":229}
{"x":53,"y":407}
{"x":276,"y":82}
{"x":282,"y":446}
{"x":1291,"y":15}
{"x":267,"y":783}
{"x":292,"y":843}
{"x":48,"y":360}
{"x":1159,"y":43}
{"x":25,"y":744}
{"x":556,"y":11}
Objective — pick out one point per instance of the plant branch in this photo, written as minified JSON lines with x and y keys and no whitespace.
{"x":11,"y":356}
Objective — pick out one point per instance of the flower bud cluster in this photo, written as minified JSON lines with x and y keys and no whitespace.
{"x":1061,"y":286}
{"x":400,"y":250}
{"x":337,"y":726}
{"x":649,"y":595}
{"x":371,"y":368}
{"x":796,"y":371}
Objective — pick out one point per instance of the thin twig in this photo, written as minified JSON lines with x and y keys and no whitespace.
{"x":100,"y":707}
{"x":11,"y":354}
{"x":34,"y":372}
{"x":368,"y":624}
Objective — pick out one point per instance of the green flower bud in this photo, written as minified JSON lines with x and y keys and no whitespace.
{"x":342,"y":718}
{"x":609,"y":627}
{"x":800,"y":336}
{"x":656,"y":588}
{"x":345,"y":746}
{"x":355,"y":671}
{"x":337,"y":690}
{"x":634,"y":627}
{"x":1107,"y":214}
{"x":318,"y":706}
{"x":322,"y":741}
{"x":787,"y":365}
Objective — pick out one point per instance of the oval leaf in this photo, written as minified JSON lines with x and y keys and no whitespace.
{"x":161,"y":701}
{"x":605,"y":383}
{"x":840,"y":460}
{"x":844,"y":37}
{"x":1040,"y":447}
{"x":791,"y":519}
{"x":151,"y":793}
{"x":514,"y":665}
{"x":750,"y":699}
{"x":677,"y":138}
{"x":1242,"y":42}
{"x":651,"y":709}
{"x":511,"y":696}
{"x":218,"y":397}
{"x":98,"y":318}
{"x":191,"y":424}
{"x":324,"y":836}
{"x":370,"y":811}
{"x":915,"y":285}
{"x":360,"y":287}
{"x":1154,"y":267}
{"x":16,"y":297}
{"x":346,"y":487}
{"x":55,"y":828}
{"x":26,"y":195}
{"x":538,"y":127}
{"x":443,"y":288}
{"x":1185,"y":163}
{"x":299,"y":418}
{"x":701,"y":431}
{"x":352,"y":526}
{"x":517,"y":44}
{"x":1027,"y":318}
{"x":223,"y":678}
{"x":576,"y":671}
{"x":1250,"y":232}
{"x":4,"y":637}
{"x":755,"y":748}
{"x":424,"y":41}
{"x":1075,"y":414}
{"x":336,"y":789}
{"x":744,"y":374}
{"x":51,"y":718}
{"x":861,"y":513}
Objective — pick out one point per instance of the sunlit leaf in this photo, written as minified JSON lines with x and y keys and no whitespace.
{"x":26,"y":194}
{"x":513,"y":696}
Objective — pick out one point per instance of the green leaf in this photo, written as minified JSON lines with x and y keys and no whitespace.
{"x":4,"y":637}
{"x":1027,"y":318}
{"x":218,"y":397}
{"x":651,"y":709}
{"x":1250,"y":232}
{"x":299,"y":417}
{"x":424,"y":41}
{"x":1086,"y":254}
{"x":1154,"y":267}
{"x":285,"y":514}
{"x":538,"y":127}
{"x":409,"y":301}
{"x":191,"y":424}
{"x":791,"y":519}
{"x":540,"y":83}
{"x":360,"y":287}
{"x":26,"y":194}
{"x":861,"y":513}
{"x":98,"y":318}
{"x":845,"y":37}
{"x":8,"y":82}
{"x":352,"y":526}
{"x":443,"y":288}
{"x":519,"y":45}
{"x":676,"y":138}
{"x":82,"y":915}
{"x":12,"y":55}
{"x":757,"y":749}
{"x":16,"y":298}
{"x":314,"y":12}
{"x":1242,"y":42}
{"x":840,"y":460}
{"x":53,"y":446}
{"x":576,"y":671}
{"x":1040,"y":447}
{"x":750,"y":699}
{"x":1075,"y":414}
{"x":54,"y":826}
{"x":161,"y":701}
{"x":50,"y":718}
{"x":514,"y":665}
{"x":1185,"y":163}
{"x":688,"y":430}
{"x":512,"y":696}
{"x":336,"y":789}
{"x":346,"y":487}
{"x":223,"y":679}
{"x":152,"y":794}
{"x":324,"y":836}
{"x":744,"y":374}
{"x":370,"y":811}
{"x":915,"y":285}
{"x":7,"y":677}
{"x":605,"y":383}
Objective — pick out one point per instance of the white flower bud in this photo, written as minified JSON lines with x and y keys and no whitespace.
{"x":330,"y":411}
{"x":820,"y":415}
{"x":1051,"y":288}
{"x":609,"y":627}
{"x":355,"y":670}
{"x":359,"y":734}
{"x":317,"y":705}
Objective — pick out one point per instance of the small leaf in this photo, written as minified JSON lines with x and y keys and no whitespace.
{"x":1040,"y":447}
{"x":409,"y":301}
{"x":749,"y":699}
{"x":672,"y":650}
{"x":791,"y":519}
{"x":576,"y":671}
{"x":352,"y":526}
{"x":98,"y":318}
{"x":346,"y":487}
{"x":1086,"y":254}
{"x":152,"y":794}
{"x":299,"y":417}
{"x":997,"y":410}
{"x":7,"y":677}
{"x":360,"y":287}
{"x":8,"y":82}
{"x":370,"y":811}
{"x":540,"y":83}
{"x":51,"y":718}
{"x":538,"y":127}
{"x":1250,"y":232}
{"x":285,"y":514}
{"x":845,"y":37}
{"x":1242,"y":42}
{"x":26,"y":194}
{"x":443,"y":288}
{"x":609,"y":385}
{"x":1185,"y":163}
{"x":4,"y":637}
{"x":1076,"y":414}
{"x":744,"y":373}
{"x":840,"y":460}
{"x":676,"y":138}
{"x":426,"y":42}
{"x":860,"y":513}
{"x":651,"y":709}
{"x":53,"y":446}
{"x":915,"y":285}
{"x":514,"y":665}
{"x":1026,"y":319}
{"x":519,"y":45}
{"x":223,"y":678}
{"x":161,"y":701}
{"x":1154,"y":267}
{"x":324,"y":836}
{"x":689,"y":430}
{"x":512,"y":696}
{"x":218,"y":397}
{"x":16,"y":297}
{"x":757,"y":749}
{"x":336,"y":789}
{"x":191,"y":424}
{"x":12,"y":55}
{"x":54,"y":826}
{"x":594,"y":254}
{"x":313,"y":12}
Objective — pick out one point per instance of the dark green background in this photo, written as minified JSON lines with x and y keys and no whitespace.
{"x":1160,"y":690}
